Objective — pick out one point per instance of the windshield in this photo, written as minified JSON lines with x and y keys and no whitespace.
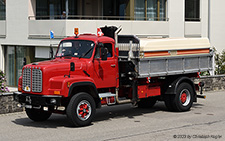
{"x":76,"y":48}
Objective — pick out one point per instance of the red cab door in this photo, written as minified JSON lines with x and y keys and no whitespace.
{"x":105,"y":71}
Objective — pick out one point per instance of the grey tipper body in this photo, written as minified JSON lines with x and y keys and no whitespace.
{"x":171,"y":64}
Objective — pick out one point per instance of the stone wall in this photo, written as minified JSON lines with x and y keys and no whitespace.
{"x":213,"y":83}
{"x":7,"y":104}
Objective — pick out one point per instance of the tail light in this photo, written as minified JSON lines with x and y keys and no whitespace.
{"x":198,"y":74}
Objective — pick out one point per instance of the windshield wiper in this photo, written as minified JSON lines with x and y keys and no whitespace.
{"x":86,"y":53}
{"x":67,"y":55}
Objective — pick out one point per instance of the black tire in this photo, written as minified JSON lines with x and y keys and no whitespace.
{"x":182,"y":100}
{"x":147,"y":102}
{"x":78,"y":116}
{"x":168,"y":99}
{"x":38,"y":114}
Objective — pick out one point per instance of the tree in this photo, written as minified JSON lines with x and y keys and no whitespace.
{"x":220,"y":62}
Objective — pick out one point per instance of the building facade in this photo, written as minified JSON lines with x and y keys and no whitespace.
{"x":25,"y":24}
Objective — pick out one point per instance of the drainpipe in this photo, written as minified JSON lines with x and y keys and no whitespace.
{"x":209,"y":12}
{"x":209,"y":34}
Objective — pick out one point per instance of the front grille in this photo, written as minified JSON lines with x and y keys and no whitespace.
{"x":32,"y":80}
{"x":36,"y":80}
{"x":26,"y":80}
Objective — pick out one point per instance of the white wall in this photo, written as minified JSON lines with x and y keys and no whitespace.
{"x":204,"y":17}
{"x":17,"y":27}
{"x":192,"y":29}
{"x":43,"y":27}
{"x":43,"y":52}
{"x":64,"y":28}
{"x":1,"y":58}
{"x":217,"y":24}
{"x":2,"y":28}
{"x":176,"y":18}
{"x":17,"y":21}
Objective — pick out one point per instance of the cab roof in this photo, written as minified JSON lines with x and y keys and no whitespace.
{"x":91,"y":37}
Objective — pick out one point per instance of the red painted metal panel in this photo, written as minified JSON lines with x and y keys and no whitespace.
{"x":145,"y":91}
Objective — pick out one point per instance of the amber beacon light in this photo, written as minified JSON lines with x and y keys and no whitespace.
{"x":76,"y":31}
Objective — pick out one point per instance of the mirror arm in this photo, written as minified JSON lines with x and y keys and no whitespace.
{"x":72,"y":68}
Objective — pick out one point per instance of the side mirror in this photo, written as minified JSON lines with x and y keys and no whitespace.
{"x":104,"y":54}
{"x":72,"y":66}
{"x":103,"y":51}
{"x":24,"y":61}
{"x":51,"y":52}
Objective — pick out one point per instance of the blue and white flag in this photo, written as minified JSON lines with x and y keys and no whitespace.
{"x":51,"y":34}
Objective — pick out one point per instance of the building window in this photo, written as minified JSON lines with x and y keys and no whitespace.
{"x":53,"y":9}
{"x":151,"y":10}
{"x":116,"y":9}
{"x":192,"y":10}
{"x":14,"y":62}
{"x":139,"y":10}
{"x":2,"y":9}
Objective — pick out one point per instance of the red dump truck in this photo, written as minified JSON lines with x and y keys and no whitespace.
{"x":92,"y":70}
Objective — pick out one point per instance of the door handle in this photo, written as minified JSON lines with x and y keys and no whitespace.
{"x":113,"y":65}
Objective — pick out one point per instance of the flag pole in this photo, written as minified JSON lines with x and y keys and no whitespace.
{"x":51,"y":49}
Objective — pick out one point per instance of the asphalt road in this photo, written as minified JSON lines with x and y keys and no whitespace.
{"x":205,"y":121}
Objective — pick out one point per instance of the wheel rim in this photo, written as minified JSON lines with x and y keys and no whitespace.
{"x":84,"y":110}
{"x":185,"y":97}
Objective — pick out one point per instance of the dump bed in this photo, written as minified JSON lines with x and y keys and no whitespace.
{"x":162,"y":57}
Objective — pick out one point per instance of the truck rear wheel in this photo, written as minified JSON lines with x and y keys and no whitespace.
{"x":147,"y":102}
{"x":182,"y":100}
{"x":37,"y":114}
{"x":81,"y":109}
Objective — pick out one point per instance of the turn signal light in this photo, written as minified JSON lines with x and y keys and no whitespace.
{"x":20,"y":84}
{"x":19,"y":89}
{"x":68,"y":84}
{"x":56,"y":92}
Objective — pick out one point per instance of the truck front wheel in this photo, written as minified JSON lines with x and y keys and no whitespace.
{"x":37,"y":114}
{"x":182,"y":100}
{"x":81,"y":109}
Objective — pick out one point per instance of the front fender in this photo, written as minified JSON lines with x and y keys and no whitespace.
{"x":64,"y":85}
{"x":83,"y":83}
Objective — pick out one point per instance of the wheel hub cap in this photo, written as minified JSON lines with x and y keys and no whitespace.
{"x":183,"y":98}
{"x":83,"y":110}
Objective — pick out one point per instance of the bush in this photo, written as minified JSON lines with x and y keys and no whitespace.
{"x":3,"y":87}
{"x":220,"y":62}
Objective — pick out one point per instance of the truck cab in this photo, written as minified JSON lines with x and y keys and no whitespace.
{"x":52,"y":83}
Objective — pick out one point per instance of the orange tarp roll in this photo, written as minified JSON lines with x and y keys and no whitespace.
{"x":158,"y":53}
{"x":194,"y":51}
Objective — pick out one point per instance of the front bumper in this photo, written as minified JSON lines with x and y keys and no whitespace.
{"x":37,"y":100}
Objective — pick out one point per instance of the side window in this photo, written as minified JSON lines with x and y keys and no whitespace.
{"x":108,"y":46}
{"x":97,"y":52}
